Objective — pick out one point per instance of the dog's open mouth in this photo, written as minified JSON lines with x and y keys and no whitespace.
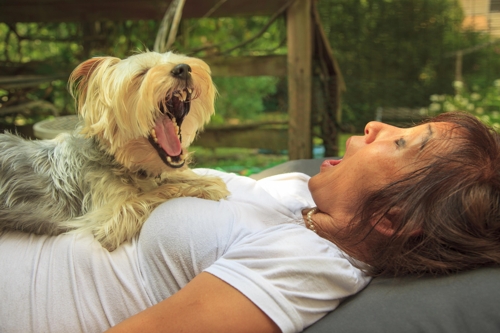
{"x":166,"y":136}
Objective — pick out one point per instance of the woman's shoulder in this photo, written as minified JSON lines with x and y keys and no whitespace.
{"x":284,"y":192}
{"x":292,"y":239}
{"x":291,"y":273}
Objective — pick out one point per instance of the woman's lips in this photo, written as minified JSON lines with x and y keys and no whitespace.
{"x":330,"y":163}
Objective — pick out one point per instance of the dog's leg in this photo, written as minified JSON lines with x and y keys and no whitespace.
{"x":39,"y":184}
{"x":121,"y":220}
{"x":190,"y":184}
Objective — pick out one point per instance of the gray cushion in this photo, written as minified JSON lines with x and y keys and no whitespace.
{"x":465,"y":302}
{"x":309,"y":167}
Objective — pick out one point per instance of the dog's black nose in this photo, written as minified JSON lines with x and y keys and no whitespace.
{"x":181,"y":71}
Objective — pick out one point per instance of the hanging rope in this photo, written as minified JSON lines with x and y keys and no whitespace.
{"x":169,"y":26}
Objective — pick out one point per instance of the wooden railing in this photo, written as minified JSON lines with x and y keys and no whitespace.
{"x":271,"y":135}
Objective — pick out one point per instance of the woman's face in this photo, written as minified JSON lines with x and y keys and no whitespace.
{"x":370,"y":162}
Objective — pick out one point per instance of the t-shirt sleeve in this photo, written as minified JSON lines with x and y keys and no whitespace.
{"x":290,"y":273}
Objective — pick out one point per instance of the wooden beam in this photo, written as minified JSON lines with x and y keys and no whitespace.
{"x":248,"y":66}
{"x":26,"y":107}
{"x":275,"y":139}
{"x":274,"y":65}
{"x":299,"y":34}
{"x":27,"y":81}
{"x":12,"y":11}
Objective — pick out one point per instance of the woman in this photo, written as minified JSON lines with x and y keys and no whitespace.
{"x":402,"y":201}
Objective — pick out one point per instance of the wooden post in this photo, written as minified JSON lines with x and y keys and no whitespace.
{"x":299,"y":35}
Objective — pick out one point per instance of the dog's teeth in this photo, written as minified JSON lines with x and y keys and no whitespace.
{"x":184,"y":95}
{"x":153,"y":135}
{"x":176,"y":127}
{"x":179,"y":162}
{"x":190,"y":90}
{"x":179,"y":95}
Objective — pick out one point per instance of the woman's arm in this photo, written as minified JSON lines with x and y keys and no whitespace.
{"x":206,"y":304}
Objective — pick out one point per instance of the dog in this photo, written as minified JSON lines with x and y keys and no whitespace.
{"x":138,"y":117}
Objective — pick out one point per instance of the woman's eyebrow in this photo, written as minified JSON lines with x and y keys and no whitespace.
{"x":426,"y":139}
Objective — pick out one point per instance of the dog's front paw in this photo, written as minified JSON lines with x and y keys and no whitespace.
{"x":204,"y":187}
{"x":215,"y":190}
{"x":109,"y":242}
{"x":189,"y":184}
{"x":112,"y":235}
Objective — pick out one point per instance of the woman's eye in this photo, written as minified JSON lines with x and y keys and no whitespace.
{"x":400,"y":142}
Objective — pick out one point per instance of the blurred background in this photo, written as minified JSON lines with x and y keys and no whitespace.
{"x":397,"y":61}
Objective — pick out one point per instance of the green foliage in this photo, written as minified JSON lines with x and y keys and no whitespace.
{"x":49,"y":48}
{"x":239,"y":97}
{"x":482,"y":67}
{"x":70,"y":43}
{"x":208,"y":36}
{"x":392,"y":53}
{"x":38,"y":42}
{"x":484,"y":103}
{"x":242,"y":97}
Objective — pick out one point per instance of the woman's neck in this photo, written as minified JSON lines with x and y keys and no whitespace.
{"x":337,"y":230}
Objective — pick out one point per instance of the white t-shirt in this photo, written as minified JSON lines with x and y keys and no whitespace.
{"x":255,"y":240}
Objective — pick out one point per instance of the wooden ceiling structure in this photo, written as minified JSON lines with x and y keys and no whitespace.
{"x":307,"y":45}
{"x":118,"y":10}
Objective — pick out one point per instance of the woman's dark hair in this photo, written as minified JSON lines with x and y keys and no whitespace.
{"x":448,"y":210}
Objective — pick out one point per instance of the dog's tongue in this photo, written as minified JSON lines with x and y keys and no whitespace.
{"x":166,"y":133}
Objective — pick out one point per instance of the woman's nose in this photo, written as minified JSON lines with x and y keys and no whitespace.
{"x":375,"y":129}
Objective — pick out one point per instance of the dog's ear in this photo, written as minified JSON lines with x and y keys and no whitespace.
{"x":80,"y":77}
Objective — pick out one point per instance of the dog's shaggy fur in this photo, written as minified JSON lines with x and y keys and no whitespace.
{"x":139,"y":115}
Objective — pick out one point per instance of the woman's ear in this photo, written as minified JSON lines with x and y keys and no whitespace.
{"x":389,"y":224}
{"x":383,"y":226}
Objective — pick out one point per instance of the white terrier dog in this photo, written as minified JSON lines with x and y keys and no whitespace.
{"x":139,"y":116}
